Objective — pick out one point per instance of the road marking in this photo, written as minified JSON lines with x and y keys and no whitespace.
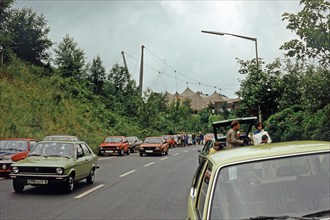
{"x":88,"y":191}
{"x":176,"y":154}
{"x":165,"y":158}
{"x":1,"y":178}
{"x":149,"y":164}
{"x":185,"y":151}
{"x":105,"y":158}
{"x":125,"y":174}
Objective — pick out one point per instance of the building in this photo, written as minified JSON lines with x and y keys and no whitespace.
{"x":200,"y":101}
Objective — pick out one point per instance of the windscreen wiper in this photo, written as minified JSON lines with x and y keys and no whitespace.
{"x":318,"y":214}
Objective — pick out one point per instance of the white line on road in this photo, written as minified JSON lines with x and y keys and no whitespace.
{"x":185,"y":151}
{"x":132,"y":171}
{"x":149,"y":164}
{"x":164,"y":158}
{"x":1,"y":178}
{"x":88,"y":191}
{"x":176,"y":154}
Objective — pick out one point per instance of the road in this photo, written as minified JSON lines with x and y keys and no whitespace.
{"x":127,"y":187}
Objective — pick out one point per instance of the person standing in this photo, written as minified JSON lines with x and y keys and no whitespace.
{"x":232,"y":138}
{"x":259,"y":132}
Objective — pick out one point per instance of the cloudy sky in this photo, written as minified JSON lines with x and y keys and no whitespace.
{"x":177,"y":54}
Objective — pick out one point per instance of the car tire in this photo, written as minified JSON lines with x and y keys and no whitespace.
{"x":18,"y":187}
{"x":91,"y":177}
{"x":121,"y":152}
{"x":141,"y":154}
{"x":128,"y":151}
{"x":69,"y":184}
{"x":100,"y":153}
{"x":166,"y":152}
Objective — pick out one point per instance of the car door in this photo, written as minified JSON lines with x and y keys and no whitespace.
{"x":83,"y":162}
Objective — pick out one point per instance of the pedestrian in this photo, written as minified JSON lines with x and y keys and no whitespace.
{"x":232,"y":138}
{"x":215,"y":147}
{"x":258,"y":133}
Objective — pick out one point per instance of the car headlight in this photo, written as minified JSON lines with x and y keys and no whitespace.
{"x":4,"y":166}
{"x":14,"y":169}
{"x":6,"y":157}
{"x":59,"y":170}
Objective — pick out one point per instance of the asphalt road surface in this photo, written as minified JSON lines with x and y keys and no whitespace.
{"x":127,"y":187}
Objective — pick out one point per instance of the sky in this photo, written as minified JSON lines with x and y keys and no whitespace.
{"x":177,"y":54}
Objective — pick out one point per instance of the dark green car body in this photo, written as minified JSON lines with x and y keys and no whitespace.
{"x":55,"y":163}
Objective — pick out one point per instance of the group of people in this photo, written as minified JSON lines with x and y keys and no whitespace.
{"x":260,"y":136}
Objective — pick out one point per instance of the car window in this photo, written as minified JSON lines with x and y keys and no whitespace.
{"x":86,"y":150}
{"x":273,"y":187}
{"x":80,"y":151}
{"x":32,"y":143}
{"x":202,"y":192}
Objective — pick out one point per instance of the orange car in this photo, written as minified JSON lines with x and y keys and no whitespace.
{"x":12,"y":150}
{"x":170,"y":140}
{"x":154,"y":145}
{"x":114,"y":144}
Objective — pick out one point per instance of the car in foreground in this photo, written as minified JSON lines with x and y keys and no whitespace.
{"x":61,"y":138}
{"x":12,"y":150}
{"x":55,"y":163}
{"x":288,"y":180}
{"x":154,"y":146}
{"x":134,"y":143}
{"x":114,"y":145}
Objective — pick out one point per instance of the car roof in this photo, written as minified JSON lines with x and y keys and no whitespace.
{"x":259,"y":152}
{"x":18,"y":139}
{"x":64,"y":141}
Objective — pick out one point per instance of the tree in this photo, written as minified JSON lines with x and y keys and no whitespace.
{"x":260,"y":89}
{"x":312,"y":26}
{"x":70,"y":59}
{"x":28,"y":35}
{"x":96,"y":75}
{"x":4,"y":11}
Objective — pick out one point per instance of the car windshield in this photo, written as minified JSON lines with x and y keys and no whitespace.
{"x":53,"y":149}
{"x":13,"y":145}
{"x":113,"y":139}
{"x":153,"y":140}
{"x":167,"y":137}
{"x":131,"y":139}
{"x":294,"y":186}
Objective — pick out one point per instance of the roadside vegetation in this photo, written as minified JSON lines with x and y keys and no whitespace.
{"x":66,"y":94}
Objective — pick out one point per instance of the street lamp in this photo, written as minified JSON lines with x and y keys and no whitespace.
{"x":246,"y":38}
{"x":240,"y":36}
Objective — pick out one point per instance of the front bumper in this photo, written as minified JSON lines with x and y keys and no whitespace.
{"x":42,"y":179}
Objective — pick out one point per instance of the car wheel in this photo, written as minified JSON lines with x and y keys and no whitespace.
{"x":69,"y":185}
{"x":166,"y":152}
{"x":100,"y":153}
{"x":90,"y":179}
{"x":18,"y":187}
{"x":141,"y":154}
{"x":121,"y":152}
{"x":128,"y":151}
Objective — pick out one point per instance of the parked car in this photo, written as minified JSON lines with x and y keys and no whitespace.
{"x":13,"y":149}
{"x":61,"y":138}
{"x":134,"y":143}
{"x":220,"y":128}
{"x":114,"y":145}
{"x":288,"y":180}
{"x":170,"y":140}
{"x":55,"y":163}
{"x":154,"y":145}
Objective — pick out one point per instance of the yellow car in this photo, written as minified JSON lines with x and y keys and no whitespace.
{"x":288,"y":180}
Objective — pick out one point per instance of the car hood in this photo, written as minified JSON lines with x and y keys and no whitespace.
{"x":40,"y":161}
{"x":150,"y":145}
{"x":14,"y":155}
{"x":111,"y":144}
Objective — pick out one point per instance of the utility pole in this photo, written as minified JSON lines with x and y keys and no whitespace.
{"x":141,"y":71}
{"x":125,"y":64}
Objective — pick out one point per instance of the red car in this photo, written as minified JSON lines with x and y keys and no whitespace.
{"x":114,"y":145}
{"x":154,"y":145}
{"x":13,"y":149}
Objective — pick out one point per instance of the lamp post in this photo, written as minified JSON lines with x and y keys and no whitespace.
{"x":246,"y":38}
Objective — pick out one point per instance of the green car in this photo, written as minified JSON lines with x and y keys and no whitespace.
{"x":55,"y":163}
{"x":288,"y":180}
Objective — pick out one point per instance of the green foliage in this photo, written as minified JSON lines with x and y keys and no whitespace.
{"x":27,"y":34}
{"x":312,"y":26}
{"x":96,"y":76}
{"x":70,"y":59}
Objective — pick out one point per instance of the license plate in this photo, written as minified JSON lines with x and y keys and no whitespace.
{"x":149,"y":151}
{"x":109,"y":151}
{"x":39,"y":182}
